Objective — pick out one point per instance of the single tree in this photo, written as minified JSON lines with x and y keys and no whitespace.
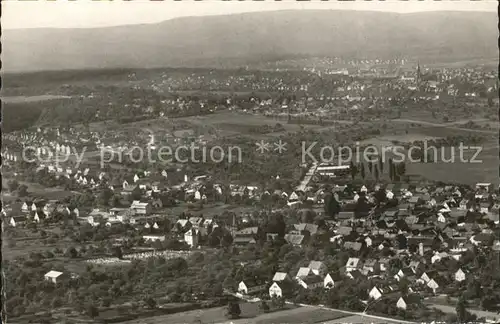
{"x":391,"y":170}
{"x":22,"y":191}
{"x":150,"y":302}
{"x":461,"y":310}
{"x":264,"y":307}
{"x":92,"y":311}
{"x":233,"y":310}
{"x":13,"y":185}
{"x":354,"y":170}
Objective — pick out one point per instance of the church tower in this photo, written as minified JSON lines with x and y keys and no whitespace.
{"x":419,"y":75}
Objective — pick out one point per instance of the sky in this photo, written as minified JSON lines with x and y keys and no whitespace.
{"x":100,"y":13}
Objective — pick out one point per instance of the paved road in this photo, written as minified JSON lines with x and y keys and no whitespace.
{"x":303,"y":184}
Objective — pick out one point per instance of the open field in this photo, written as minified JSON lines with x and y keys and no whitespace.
{"x":359,"y":319}
{"x":37,"y":190}
{"x":444,"y":128}
{"x":19,"y":99}
{"x":459,"y":170}
{"x":250,"y":314}
{"x":478,"y":313}
{"x":462,"y":172}
{"x":387,"y":140}
{"x":249,"y":311}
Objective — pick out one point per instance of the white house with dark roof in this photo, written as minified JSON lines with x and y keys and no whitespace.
{"x":317,"y":267}
{"x":401,"y":303}
{"x":275,"y":290}
{"x":459,"y":275}
{"x":352,"y":264}
{"x":375,"y":293}
{"x":432,"y":284}
{"x":311,"y":282}
{"x":247,"y":287}
{"x":328,"y":282}
{"x":191,"y":237}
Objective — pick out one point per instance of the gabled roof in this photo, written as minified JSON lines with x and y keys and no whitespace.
{"x":53,"y":274}
{"x":356,"y":246}
{"x":356,"y":274}
{"x":315,"y":265}
{"x":303,"y":272}
{"x":280,"y":276}
{"x":248,"y":231}
{"x":182,"y":222}
{"x":352,"y":262}
{"x":345,"y":215}
{"x":370,"y":263}
{"x":295,"y":239}
{"x":311,"y":228}
{"x":312,"y":279}
{"x":407,"y":272}
{"x":343,"y":230}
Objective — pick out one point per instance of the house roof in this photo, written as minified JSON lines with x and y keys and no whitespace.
{"x":344,"y":230}
{"x":345,"y":215}
{"x":352,"y":262}
{"x":315,"y":265}
{"x":356,"y":246}
{"x":303,"y":272}
{"x":53,"y":274}
{"x":370,"y":263}
{"x":312,"y":279}
{"x":195,"y":220}
{"x":294,"y":238}
{"x":356,"y":274}
{"x":311,"y":228}
{"x":407,"y":272}
{"x":243,"y":239}
{"x":280,"y":276}
{"x":252,"y":282}
{"x":248,"y":231}
{"x":182,"y":222}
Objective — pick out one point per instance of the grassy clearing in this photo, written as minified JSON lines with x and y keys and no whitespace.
{"x":302,"y":316}
{"x":461,"y":172}
{"x":212,"y":315}
{"x":359,"y":319}
{"x":37,"y":190}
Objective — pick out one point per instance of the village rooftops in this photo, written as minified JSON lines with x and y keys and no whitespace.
{"x":356,"y":246}
{"x":311,"y":228}
{"x":248,"y":231}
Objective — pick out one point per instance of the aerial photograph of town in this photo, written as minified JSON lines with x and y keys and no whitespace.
{"x":250,"y":162}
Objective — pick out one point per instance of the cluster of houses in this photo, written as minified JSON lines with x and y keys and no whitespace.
{"x":17,"y":214}
{"x":316,"y":275}
{"x":427,"y":227}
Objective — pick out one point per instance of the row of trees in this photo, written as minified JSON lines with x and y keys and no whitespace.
{"x":396,"y":171}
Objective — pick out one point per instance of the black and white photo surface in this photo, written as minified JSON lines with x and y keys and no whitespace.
{"x":183,"y":162}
